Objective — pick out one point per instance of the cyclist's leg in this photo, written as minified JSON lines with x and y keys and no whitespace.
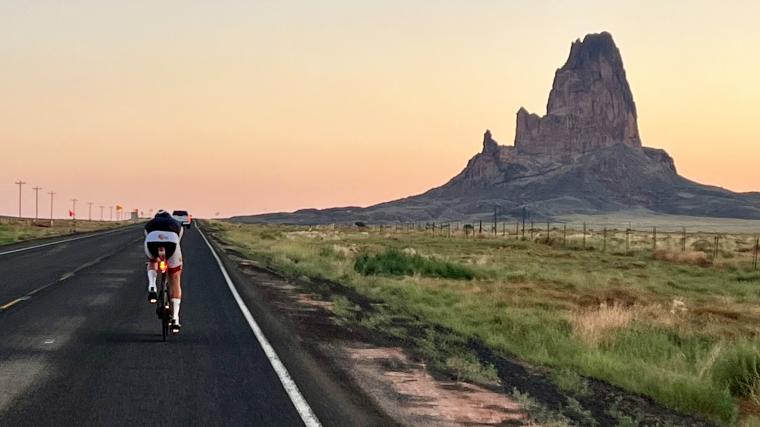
{"x":175,"y":282}
{"x":152,"y":267}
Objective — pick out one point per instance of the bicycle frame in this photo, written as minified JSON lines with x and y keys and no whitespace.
{"x":163,"y":307}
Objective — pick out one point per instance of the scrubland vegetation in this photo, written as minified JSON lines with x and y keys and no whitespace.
{"x":13,"y":230}
{"x":677,"y":325}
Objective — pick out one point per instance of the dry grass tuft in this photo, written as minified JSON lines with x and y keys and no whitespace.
{"x":691,"y":257}
{"x":593,"y":326}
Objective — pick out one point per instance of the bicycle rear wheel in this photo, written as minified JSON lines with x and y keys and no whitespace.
{"x":164,"y":301}
{"x":164,"y":326}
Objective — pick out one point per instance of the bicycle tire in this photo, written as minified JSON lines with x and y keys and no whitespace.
{"x":164,"y":301}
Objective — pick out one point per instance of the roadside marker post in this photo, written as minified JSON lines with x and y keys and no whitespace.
{"x":757,"y":249}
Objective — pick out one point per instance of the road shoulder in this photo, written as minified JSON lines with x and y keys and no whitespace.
{"x":61,"y":238}
{"x":382,"y":383}
{"x":334,"y":395}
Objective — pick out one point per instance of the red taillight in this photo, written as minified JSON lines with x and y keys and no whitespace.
{"x":162,"y":266}
{"x":189,"y":217}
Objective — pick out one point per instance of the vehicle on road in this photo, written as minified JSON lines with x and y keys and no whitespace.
{"x":183,"y":218}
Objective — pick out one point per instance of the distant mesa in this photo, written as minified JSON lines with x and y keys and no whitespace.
{"x":584,"y":156}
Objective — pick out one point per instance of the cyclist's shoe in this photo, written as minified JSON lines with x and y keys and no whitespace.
{"x":175,"y":327}
{"x":152,"y":297}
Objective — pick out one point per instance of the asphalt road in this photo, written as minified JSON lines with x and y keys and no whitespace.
{"x":79,"y":344}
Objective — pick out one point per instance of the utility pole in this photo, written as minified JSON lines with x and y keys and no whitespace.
{"x":101,"y":213}
{"x":20,"y":183}
{"x":74,"y":209}
{"x":36,"y":202}
{"x":89,"y":217}
{"x":51,"y":206}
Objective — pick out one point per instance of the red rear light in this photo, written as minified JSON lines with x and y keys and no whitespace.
{"x":189,"y":217}
{"x":162,"y":266}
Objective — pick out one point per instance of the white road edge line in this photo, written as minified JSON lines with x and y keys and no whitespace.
{"x":58,"y":242}
{"x":303,"y":408}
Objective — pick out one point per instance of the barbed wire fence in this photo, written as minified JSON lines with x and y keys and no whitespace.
{"x":662,"y":240}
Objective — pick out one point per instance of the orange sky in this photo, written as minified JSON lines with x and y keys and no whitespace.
{"x":245,"y":107}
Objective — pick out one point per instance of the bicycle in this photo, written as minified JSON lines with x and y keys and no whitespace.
{"x":163,"y":305}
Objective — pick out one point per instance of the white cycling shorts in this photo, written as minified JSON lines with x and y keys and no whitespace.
{"x":168,"y":239}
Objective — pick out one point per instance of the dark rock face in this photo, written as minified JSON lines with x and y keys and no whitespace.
{"x":590,"y":105}
{"x":584,"y":156}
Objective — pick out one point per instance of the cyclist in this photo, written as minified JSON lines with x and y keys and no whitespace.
{"x":164,"y":231}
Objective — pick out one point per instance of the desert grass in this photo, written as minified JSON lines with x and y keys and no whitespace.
{"x":690,"y":257}
{"x":683,"y":333}
{"x":13,"y":230}
{"x":592,"y":326}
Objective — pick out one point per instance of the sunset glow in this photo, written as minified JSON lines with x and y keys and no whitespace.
{"x":244,"y":107}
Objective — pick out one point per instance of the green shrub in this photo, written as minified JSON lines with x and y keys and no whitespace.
{"x":392,"y":262}
{"x":738,"y":369}
{"x":571,"y":382}
{"x":748,"y":277}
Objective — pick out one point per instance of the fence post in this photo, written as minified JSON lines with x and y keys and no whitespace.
{"x":627,"y":240}
{"x":523,"y":230}
{"x":564,"y":234}
{"x":654,"y":240}
{"x":504,"y":229}
{"x":757,"y":249}
{"x":683,"y":241}
{"x":715,"y":249}
{"x":480,"y":227}
{"x":548,"y":232}
{"x":604,"y":236}
{"x":531,"y":230}
{"x":584,"y":235}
